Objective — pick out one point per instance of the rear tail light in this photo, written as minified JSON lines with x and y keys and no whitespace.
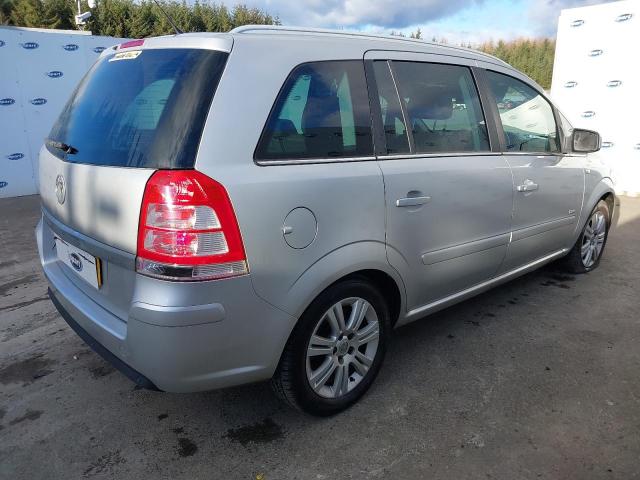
{"x":188,"y":230}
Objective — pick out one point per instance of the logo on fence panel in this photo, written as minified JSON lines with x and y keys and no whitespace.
{"x":3,"y":184}
{"x":29,"y":45}
{"x":54,"y":74}
{"x":7,"y":101}
{"x":99,"y":49}
{"x":70,"y":47}
{"x":38,"y":101}
{"x":614,"y":83}
{"x":596,"y":53}
{"x":570,"y":84}
{"x":577,"y":23}
{"x":2,"y":43}
{"x":15,"y":156}
{"x":588,"y":114}
{"x":624,"y":17}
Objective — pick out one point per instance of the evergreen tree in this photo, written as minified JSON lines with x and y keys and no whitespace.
{"x":533,"y":57}
{"x":6,"y":7}
{"x":132,"y":18}
{"x":144,"y":19}
{"x":27,"y":13}
{"x":58,"y":14}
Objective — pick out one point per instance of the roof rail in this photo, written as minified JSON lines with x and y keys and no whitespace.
{"x":351,"y":33}
{"x":282,"y":28}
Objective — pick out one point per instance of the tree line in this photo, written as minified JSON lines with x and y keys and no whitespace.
{"x":140,"y":19}
{"x":533,"y":57}
{"x":127,"y":18}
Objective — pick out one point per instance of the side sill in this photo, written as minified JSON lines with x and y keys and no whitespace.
{"x":481,"y":287}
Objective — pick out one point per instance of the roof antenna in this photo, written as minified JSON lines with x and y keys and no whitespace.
{"x":171,"y":22}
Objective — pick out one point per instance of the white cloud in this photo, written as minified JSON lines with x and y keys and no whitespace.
{"x":543,"y":14}
{"x":457,"y":21}
{"x":354,"y":13}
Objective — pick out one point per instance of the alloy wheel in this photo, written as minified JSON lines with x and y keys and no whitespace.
{"x":593,"y":239}
{"x":342,"y":347}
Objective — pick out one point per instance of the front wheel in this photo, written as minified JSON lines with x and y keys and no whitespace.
{"x":336,"y":350}
{"x":587,"y":252}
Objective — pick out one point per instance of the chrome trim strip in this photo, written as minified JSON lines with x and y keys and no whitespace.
{"x":533,"y":154}
{"x":438,"y":155}
{"x":306,"y":161}
{"x":468,"y":248}
{"x":477,"y":288}
{"x":543,"y":227}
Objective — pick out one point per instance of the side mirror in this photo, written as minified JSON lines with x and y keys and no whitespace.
{"x":585,"y":141}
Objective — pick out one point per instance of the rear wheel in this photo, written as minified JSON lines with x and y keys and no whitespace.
{"x":336,"y":350}
{"x":587,"y":252}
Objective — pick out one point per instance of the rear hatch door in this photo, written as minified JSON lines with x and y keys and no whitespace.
{"x":137,"y":110}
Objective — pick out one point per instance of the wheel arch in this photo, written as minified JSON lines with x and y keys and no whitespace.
{"x":602,"y":191}
{"x":385,"y":284}
{"x":365,"y":260}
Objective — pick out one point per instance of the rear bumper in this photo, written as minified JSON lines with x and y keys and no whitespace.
{"x":169,"y":338}
{"x":133,"y":375}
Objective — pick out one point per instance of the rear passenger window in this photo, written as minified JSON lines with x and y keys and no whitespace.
{"x":322,"y":112}
{"x":392,"y":120}
{"x":443,"y":107}
{"x":527,"y":118}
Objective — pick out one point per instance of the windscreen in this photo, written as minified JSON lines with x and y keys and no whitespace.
{"x":139,"y":108}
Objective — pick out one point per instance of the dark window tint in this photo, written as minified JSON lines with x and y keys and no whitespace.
{"x":443,"y":107}
{"x":392,"y":121}
{"x":140,"y":108}
{"x":321,"y":112}
{"x":527,"y":118}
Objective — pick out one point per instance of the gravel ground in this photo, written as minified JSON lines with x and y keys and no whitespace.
{"x":536,"y":379}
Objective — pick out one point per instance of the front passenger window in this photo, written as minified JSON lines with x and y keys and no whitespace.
{"x":527,"y":118}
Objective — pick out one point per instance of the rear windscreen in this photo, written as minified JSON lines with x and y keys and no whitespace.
{"x":139,"y":108}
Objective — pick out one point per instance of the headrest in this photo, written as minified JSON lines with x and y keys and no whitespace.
{"x":320,"y":87}
{"x":321,"y":112}
{"x":284,"y":125}
{"x":499,"y":86}
{"x":432,"y":101}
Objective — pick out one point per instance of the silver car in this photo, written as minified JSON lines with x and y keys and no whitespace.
{"x":270,"y":203}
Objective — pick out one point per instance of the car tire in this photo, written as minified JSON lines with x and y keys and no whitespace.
{"x":344,"y":353}
{"x":587,"y":252}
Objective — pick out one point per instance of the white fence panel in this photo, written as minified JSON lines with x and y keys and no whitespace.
{"x":40,"y":69}
{"x":596,"y":80}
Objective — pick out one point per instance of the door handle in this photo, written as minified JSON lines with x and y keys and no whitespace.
{"x":412,"y":201}
{"x":527,"y":186}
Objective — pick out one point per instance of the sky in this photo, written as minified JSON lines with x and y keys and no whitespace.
{"x":457,"y":21}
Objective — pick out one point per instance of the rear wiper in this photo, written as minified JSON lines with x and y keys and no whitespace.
{"x":68,"y":149}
